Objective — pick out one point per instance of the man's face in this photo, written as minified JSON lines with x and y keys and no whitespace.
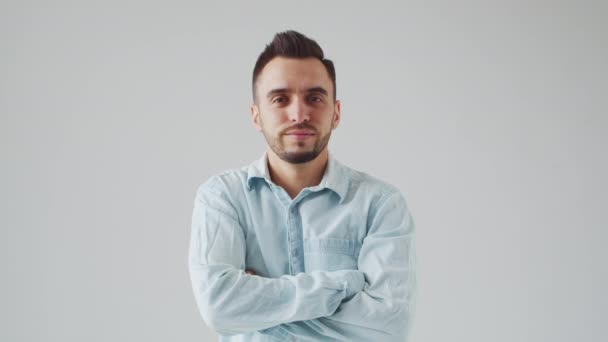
{"x":294,"y":108}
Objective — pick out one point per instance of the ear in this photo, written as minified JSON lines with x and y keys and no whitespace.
{"x":336,"y":121}
{"x":255,"y":117}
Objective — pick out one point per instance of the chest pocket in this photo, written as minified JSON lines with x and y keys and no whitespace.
{"x":330,"y":254}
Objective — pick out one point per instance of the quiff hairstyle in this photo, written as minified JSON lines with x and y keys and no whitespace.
{"x":292,"y":44}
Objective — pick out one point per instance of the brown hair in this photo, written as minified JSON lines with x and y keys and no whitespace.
{"x":292,"y":44}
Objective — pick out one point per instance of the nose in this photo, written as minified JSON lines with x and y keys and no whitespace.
{"x":299,"y":111}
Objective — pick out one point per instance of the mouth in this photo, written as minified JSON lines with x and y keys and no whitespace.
{"x":300,"y":131}
{"x":299,"y":136}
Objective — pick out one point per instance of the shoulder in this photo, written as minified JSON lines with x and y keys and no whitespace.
{"x":381,"y":201}
{"x":367,"y":185}
{"x":224,"y":187}
{"x":228,"y":180}
{"x":388,"y":210}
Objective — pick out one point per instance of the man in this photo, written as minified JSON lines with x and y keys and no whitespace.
{"x":297,"y":246}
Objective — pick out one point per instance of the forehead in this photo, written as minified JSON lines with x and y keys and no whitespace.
{"x":295,"y":73}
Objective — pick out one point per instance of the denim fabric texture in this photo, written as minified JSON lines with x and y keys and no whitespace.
{"x":335,"y":263}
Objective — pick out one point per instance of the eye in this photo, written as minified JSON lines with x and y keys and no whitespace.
{"x":315,"y":98}
{"x":279,"y":99}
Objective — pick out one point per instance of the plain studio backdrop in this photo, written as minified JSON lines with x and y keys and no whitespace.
{"x":491,"y":117}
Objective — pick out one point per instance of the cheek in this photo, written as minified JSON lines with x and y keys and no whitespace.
{"x":271,"y":124}
{"x":273,"y":119}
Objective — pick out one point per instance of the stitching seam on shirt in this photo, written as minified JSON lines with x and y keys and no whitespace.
{"x":220,"y":210}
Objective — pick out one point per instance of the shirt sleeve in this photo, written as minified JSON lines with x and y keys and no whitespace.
{"x":384,"y":310}
{"x":232,"y":302}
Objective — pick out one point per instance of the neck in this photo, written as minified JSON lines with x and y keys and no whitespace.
{"x":295,"y":177}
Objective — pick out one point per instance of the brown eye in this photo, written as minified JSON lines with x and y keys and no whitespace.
{"x":315,"y":99}
{"x":279,"y":99}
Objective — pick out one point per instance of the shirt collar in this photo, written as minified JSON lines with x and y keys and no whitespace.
{"x":334,"y":178}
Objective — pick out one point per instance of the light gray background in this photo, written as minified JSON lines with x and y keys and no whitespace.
{"x":490,"y":116}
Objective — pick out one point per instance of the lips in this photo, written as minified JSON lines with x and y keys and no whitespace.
{"x":300,"y":132}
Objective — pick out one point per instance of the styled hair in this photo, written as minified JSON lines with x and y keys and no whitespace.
{"x":292,"y":44}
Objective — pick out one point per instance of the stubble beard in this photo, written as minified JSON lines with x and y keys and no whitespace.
{"x":277,"y":146}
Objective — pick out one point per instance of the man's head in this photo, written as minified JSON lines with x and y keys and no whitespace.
{"x":294,"y":91}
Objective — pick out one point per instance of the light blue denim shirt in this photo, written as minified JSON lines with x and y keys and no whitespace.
{"x":335,"y":263}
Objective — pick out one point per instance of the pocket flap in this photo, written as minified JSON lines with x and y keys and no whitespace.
{"x":332,"y":245}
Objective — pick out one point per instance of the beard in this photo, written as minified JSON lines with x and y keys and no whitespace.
{"x":303,"y":155}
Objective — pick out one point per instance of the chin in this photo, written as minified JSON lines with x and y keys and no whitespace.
{"x":298,"y":157}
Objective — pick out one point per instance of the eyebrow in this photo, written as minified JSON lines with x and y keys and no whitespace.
{"x":317,"y":89}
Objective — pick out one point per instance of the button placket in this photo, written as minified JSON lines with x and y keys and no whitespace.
{"x":297,"y":241}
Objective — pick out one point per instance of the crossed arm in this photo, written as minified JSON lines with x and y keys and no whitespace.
{"x":374,"y":302}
